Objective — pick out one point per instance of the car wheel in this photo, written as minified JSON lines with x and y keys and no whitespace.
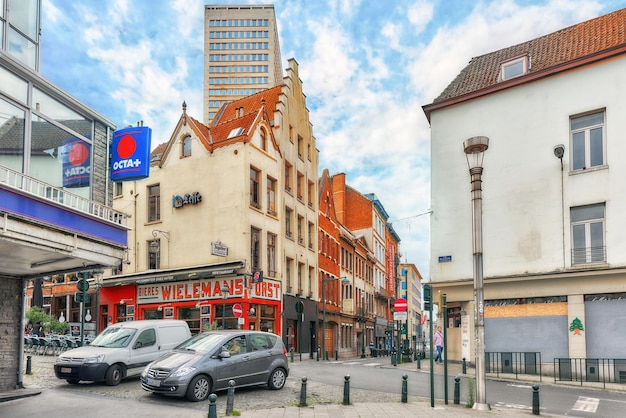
{"x":72,"y":381}
{"x":114,"y":375}
{"x":277,"y":379}
{"x":199,"y":388}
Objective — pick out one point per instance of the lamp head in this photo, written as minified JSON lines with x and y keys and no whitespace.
{"x":559,"y":151}
{"x":475,"y":148}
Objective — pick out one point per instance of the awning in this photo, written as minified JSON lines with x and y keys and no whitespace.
{"x":172,"y":275}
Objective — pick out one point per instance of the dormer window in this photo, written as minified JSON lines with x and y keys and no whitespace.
{"x":514,"y":68}
{"x":235,"y":132}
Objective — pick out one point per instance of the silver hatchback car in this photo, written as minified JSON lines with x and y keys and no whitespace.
{"x":206,"y":363}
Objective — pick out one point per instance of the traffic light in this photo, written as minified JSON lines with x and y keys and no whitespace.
{"x":428,"y":297}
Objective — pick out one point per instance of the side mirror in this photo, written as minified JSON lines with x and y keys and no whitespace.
{"x":224,"y":354}
{"x":138,"y":344}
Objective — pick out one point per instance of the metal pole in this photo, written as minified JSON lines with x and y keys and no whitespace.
{"x":444,"y":306}
{"x":224,"y":311}
{"x":323,"y":320}
{"x":479,"y":297}
{"x":363,"y":327}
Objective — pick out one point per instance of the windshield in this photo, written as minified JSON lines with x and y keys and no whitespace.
{"x":203,"y":342}
{"x":114,"y":337}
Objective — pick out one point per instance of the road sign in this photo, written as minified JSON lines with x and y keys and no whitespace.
{"x":400,"y":305}
{"x":82,"y":297}
{"x":237,"y":310}
{"x":82,"y":285}
{"x":400,"y":316}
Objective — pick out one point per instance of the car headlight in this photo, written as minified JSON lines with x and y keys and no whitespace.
{"x":183,"y":371}
{"x":95,"y":359}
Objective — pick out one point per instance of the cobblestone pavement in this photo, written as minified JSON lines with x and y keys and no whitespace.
{"x":322,"y":400}
{"x":42,"y":367}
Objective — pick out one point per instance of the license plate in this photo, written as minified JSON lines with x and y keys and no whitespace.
{"x":153,"y":382}
{"x":66,"y":370}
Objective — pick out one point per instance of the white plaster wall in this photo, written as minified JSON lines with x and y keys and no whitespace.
{"x":525,"y":230}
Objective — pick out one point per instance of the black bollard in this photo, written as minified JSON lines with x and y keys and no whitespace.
{"x":419,"y":362}
{"x":535,"y":399}
{"x":29,"y":365}
{"x":457,"y":390}
{"x":405,"y":390}
{"x":346,"y":390}
{"x":291,"y":353}
{"x":212,"y":406}
{"x":336,"y":355}
{"x":464,"y":366}
{"x":230,"y":398}
{"x":303,"y":392}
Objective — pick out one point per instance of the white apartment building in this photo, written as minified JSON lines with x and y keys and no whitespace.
{"x":553,"y":193}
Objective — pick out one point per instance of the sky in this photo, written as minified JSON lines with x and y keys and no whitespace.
{"x":367,"y":67}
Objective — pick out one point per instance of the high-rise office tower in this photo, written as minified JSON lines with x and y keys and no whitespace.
{"x":241,"y":53}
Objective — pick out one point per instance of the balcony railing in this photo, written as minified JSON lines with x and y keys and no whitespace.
{"x":588,"y":255}
{"x":31,"y":186}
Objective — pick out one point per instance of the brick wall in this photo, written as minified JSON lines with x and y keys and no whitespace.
{"x":10,"y":332}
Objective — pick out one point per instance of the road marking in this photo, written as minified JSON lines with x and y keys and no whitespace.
{"x":513,"y":385}
{"x":586,"y":404}
{"x":512,"y":406}
{"x":372,"y":364}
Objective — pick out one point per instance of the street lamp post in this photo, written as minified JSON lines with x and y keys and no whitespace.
{"x":324,"y":281}
{"x":475,"y":148}
{"x":363,"y":325}
{"x":224,"y":296}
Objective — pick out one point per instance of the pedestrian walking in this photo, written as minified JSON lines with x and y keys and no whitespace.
{"x":438,"y":341}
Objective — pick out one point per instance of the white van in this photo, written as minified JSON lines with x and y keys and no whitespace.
{"x":122,"y":350}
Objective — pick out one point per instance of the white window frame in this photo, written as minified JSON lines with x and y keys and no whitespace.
{"x":586,"y":131}
{"x":580,"y":222}
{"x":513,"y":63}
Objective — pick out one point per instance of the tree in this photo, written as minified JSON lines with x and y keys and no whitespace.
{"x":576,"y":326}
{"x":48,"y":322}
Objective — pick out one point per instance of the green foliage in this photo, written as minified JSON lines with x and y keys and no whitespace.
{"x":48,"y":322}
{"x":470,"y":393}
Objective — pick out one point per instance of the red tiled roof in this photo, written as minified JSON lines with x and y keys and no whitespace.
{"x":575,"y":43}
{"x":217,"y":134}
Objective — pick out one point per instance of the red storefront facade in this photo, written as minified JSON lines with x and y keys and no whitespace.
{"x":212,"y":300}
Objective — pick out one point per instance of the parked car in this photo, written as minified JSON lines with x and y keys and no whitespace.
{"x":207,"y":362}
{"x":121,"y":350}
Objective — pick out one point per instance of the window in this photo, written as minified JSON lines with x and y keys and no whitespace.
{"x":255,"y":248}
{"x":310,"y":193}
{"x":154,"y":203}
{"x":263,"y":140}
{"x":300,"y":229}
{"x":588,"y":234}
{"x":300,"y":278}
{"x":300,"y":144}
{"x":254,"y":188}
{"x":514,"y":68}
{"x":300,"y":185}
{"x":271,"y":196}
{"x":288,"y":270}
{"x":288,"y":175}
{"x":154,"y":254}
{"x":118,"y":188}
{"x":288,"y":213}
{"x":587,"y":136}
{"x":271,"y":254}
{"x":311,"y":234}
{"x":186,"y":147}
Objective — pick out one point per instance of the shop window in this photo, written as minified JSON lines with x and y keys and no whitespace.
{"x":191,"y":315}
{"x":454,"y":317}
